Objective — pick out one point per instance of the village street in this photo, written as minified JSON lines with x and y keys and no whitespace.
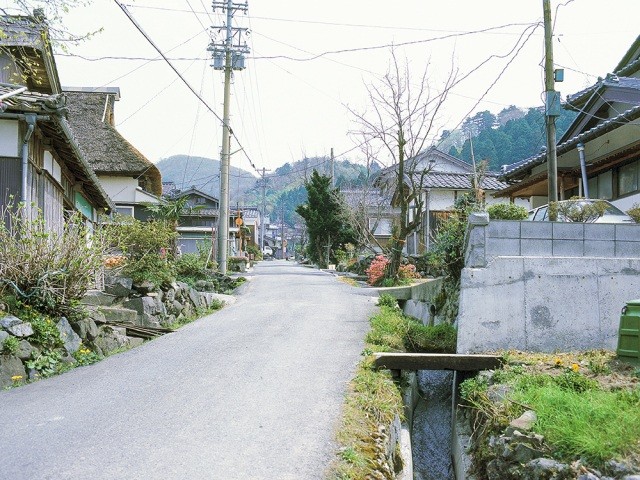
{"x":253,"y":391}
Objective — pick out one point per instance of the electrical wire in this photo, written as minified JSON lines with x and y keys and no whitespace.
{"x":144,"y":34}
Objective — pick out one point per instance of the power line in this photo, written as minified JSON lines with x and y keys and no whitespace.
{"x":144,"y":34}
{"x":391,"y":45}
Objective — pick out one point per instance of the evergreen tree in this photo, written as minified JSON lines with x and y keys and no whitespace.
{"x":323,"y":213}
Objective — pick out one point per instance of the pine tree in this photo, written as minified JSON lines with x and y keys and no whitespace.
{"x":323,"y":213}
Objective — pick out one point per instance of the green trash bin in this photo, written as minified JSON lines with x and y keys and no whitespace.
{"x":629,"y":333}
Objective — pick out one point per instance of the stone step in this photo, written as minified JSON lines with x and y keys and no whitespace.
{"x":119,"y":314}
{"x":98,"y":298}
{"x":209,"y":297}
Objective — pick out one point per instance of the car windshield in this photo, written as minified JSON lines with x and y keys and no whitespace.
{"x":611,"y":210}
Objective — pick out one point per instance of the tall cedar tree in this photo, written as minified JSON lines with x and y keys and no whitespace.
{"x":325,"y":219}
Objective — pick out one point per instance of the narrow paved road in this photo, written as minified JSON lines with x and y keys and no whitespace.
{"x":253,"y":391}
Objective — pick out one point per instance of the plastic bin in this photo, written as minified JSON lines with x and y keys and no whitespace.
{"x":629,"y":333}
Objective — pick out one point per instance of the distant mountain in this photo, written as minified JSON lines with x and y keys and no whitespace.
{"x":285,"y":188}
{"x":204,"y":174}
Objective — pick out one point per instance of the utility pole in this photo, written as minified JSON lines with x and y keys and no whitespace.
{"x":228,"y":55}
{"x":282,"y":240}
{"x":333,"y":171}
{"x":552,"y":109}
{"x":264,"y":206}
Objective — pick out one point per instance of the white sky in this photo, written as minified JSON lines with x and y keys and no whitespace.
{"x":282,"y":109}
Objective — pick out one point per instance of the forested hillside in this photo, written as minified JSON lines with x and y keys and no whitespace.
{"x":502,"y":139}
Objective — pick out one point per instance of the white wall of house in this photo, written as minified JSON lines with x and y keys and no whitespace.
{"x":125,"y":190}
{"x":9,"y":141}
{"x":120,"y":189}
{"x":443,"y":200}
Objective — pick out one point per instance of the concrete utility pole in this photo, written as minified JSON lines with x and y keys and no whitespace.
{"x":282,"y":240}
{"x":552,"y":109}
{"x":263,"y":183}
{"x":227,"y":55}
{"x":333,"y":171}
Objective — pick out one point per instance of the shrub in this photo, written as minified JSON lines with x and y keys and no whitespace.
{"x":375,"y":272}
{"x":387,"y":300}
{"x":574,"y":211}
{"x":10,"y":345}
{"x":147,"y":247}
{"x":507,"y":211}
{"x":447,"y":255}
{"x":191,"y":265}
{"x":234,"y":263}
{"x":47,"y":269}
{"x":634,"y":212}
{"x":255,"y":251}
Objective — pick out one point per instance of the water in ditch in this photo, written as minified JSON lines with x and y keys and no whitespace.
{"x":431,"y":436}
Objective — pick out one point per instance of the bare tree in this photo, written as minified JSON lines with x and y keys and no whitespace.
{"x":399,"y":125}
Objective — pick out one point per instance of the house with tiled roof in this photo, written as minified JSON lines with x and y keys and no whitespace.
{"x":41,"y":162}
{"x":128,"y":177}
{"x":604,"y":136}
{"x":444,"y":178}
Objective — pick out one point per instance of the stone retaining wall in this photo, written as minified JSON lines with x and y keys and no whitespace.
{"x":121,"y":302}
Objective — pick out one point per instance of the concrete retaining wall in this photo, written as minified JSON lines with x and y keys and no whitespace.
{"x":545,"y":286}
{"x":417,"y":300}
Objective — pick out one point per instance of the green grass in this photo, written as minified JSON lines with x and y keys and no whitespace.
{"x":374,"y":398}
{"x":578,"y":417}
{"x":595,"y":425}
{"x":393,"y":331}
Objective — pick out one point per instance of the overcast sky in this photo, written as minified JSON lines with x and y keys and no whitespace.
{"x":287,"y":104}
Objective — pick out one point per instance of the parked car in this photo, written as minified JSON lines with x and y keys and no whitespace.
{"x":612,"y":214}
{"x":266,"y":251}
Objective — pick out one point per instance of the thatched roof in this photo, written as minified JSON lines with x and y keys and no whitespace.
{"x":108,"y":152}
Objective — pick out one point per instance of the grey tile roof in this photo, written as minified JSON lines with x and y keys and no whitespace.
{"x":460,"y":181}
{"x":575,"y":100}
{"x":32,"y":101}
{"x":608,"y":125}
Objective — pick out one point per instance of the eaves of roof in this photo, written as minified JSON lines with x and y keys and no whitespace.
{"x":608,"y":125}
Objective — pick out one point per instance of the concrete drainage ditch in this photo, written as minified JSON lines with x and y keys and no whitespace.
{"x":430,"y":449}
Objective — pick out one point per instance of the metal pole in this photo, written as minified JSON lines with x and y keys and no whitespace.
{"x":550,"y":97}
{"x":583,"y":170}
{"x":225,"y":160}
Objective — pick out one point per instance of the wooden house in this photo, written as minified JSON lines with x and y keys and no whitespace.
{"x":442,"y":179}
{"x":41,"y":162}
{"x":604,"y":135}
{"x":198,"y":220}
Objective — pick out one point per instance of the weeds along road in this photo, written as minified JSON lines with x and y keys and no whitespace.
{"x":253,"y":391}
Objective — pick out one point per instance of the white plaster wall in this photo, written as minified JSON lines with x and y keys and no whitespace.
{"x":120,"y":189}
{"x":440,"y":200}
{"x":9,"y":141}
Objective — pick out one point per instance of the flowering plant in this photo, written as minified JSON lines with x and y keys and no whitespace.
{"x":375,"y":272}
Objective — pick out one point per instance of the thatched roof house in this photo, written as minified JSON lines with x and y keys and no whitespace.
{"x":91,"y":115}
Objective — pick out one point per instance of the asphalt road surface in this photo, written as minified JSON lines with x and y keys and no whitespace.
{"x":253,"y":391}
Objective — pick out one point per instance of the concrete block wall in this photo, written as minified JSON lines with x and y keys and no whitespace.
{"x":546,"y":286}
